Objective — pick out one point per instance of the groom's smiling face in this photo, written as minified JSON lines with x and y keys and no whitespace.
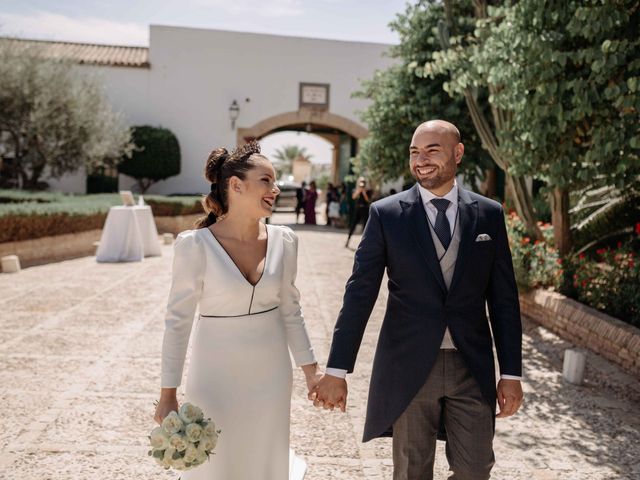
{"x":434,"y":155}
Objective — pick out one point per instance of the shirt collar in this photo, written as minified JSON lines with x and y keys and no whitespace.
{"x":452,"y":196}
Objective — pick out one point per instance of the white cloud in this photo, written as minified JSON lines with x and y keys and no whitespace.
{"x":258,"y":8}
{"x":51,"y":26}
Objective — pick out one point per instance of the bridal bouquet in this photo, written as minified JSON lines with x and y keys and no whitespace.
{"x":185,"y":439}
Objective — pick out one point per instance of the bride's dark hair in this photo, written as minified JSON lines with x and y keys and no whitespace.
{"x":220,"y":167}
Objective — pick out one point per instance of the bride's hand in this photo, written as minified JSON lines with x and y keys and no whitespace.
{"x":165,"y":406}
{"x":313,"y":375}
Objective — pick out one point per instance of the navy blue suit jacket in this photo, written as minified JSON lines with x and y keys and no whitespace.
{"x":419,"y":307}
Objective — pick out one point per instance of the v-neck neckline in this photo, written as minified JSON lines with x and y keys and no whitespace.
{"x":237,"y":268}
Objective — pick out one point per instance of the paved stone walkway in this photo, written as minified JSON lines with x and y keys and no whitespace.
{"x":79,"y":371}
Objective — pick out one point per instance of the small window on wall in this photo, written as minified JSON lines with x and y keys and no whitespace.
{"x":103,"y":180}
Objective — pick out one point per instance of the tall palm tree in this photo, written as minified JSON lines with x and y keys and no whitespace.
{"x":287,"y":154}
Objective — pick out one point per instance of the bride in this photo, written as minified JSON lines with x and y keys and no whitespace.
{"x":241,"y":273}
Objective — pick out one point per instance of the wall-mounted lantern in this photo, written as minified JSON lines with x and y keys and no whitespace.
{"x":234,"y":112}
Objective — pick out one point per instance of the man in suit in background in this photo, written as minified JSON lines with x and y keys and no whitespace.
{"x":447,"y":257}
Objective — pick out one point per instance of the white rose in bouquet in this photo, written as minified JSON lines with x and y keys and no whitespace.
{"x":193,"y":432}
{"x":209,"y":442}
{"x":179,"y":464}
{"x":172,"y":423}
{"x":189,"y":413}
{"x":159,"y":439}
{"x":190,"y":454}
{"x":168,"y":457}
{"x":209,"y":428}
{"x":202,"y":454}
{"x":179,"y":442}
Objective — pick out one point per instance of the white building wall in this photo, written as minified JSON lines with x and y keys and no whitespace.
{"x":195,"y":74}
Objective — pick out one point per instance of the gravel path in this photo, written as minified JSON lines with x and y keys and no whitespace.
{"x":80,"y":360}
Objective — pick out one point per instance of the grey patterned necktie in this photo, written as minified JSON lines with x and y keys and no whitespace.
{"x":442,"y":226}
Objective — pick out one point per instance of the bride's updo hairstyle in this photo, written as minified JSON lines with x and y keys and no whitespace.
{"x":220,"y":167}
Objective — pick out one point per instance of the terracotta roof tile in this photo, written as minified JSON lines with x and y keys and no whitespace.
{"x":90,"y":54}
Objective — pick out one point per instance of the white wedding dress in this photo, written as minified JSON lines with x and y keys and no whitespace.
{"x":240,"y":370}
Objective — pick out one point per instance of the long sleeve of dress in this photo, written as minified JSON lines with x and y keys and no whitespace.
{"x":186,"y":287}
{"x":297,"y":336}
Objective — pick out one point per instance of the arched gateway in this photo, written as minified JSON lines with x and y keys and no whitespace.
{"x":341,"y":132}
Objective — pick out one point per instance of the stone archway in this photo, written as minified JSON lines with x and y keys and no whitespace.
{"x":343,"y":133}
{"x":299,"y":120}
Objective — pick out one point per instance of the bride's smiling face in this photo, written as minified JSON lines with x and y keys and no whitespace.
{"x":255,"y":196}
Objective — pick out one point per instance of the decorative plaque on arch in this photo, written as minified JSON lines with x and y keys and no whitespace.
{"x":314,"y":96}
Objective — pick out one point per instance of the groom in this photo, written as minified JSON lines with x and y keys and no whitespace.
{"x":447,"y":257}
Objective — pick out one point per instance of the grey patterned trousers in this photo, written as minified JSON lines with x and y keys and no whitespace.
{"x":450,"y":391}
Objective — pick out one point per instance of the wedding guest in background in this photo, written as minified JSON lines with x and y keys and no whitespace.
{"x":311,"y":196}
{"x":332,"y":209}
{"x":362,"y":199}
{"x":300,"y":197}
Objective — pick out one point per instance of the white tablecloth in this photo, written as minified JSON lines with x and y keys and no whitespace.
{"x":129,"y":234}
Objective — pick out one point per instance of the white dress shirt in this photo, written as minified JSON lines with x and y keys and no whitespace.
{"x":432,"y":213}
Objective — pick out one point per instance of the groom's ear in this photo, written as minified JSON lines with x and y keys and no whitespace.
{"x":458,"y":151}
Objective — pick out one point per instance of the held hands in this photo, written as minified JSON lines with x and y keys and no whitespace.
{"x":313,"y":376}
{"x":329,"y":393}
{"x":510,"y":397}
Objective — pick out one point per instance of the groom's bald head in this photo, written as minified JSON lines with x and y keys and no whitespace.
{"x":448,"y":130}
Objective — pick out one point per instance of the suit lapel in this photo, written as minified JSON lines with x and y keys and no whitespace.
{"x":468,"y":217}
{"x":416,"y":219}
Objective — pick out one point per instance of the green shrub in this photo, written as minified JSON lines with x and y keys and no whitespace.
{"x":536,"y":264}
{"x":610,"y":281}
{"x":27,"y":215}
{"x":14,"y":228}
{"x":156,"y":156}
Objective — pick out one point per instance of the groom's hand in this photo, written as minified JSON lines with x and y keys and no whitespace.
{"x":510,"y":397}
{"x":331,"y":392}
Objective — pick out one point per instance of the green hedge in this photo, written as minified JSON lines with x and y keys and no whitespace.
{"x":26,"y":215}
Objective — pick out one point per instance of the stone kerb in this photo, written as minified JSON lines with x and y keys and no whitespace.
{"x":586,"y":327}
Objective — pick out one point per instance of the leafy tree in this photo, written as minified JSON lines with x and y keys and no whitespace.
{"x":564,"y":78}
{"x":400,"y":101}
{"x":156,"y":156}
{"x":286,"y":156}
{"x":470,"y":79}
{"x":53,"y":119}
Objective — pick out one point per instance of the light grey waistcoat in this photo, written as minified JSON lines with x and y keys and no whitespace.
{"x":447,"y":265}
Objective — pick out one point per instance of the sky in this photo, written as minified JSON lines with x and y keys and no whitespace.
{"x":126,"y":22}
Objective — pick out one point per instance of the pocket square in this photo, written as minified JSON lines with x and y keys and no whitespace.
{"x":483,"y":237}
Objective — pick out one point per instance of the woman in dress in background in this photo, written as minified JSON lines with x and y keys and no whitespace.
{"x":310,"y":204}
{"x":241,"y":273}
